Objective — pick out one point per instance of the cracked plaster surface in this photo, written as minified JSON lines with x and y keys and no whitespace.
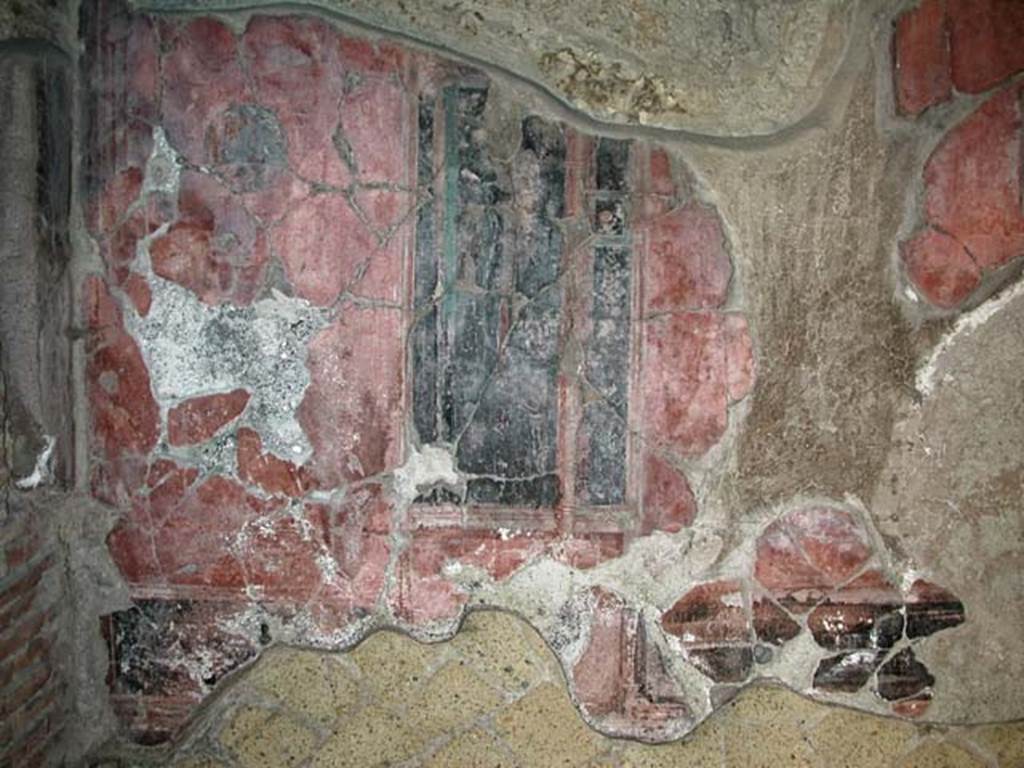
{"x":371,"y":524}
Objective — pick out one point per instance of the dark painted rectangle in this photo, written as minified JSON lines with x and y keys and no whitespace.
{"x":612,"y":165}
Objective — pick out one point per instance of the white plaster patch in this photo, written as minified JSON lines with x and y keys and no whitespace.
{"x":327,"y":566}
{"x":732,"y":600}
{"x":163,"y":170}
{"x":433,"y":464}
{"x":928,"y":374}
{"x":194,"y":349}
{"x":41,"y":471}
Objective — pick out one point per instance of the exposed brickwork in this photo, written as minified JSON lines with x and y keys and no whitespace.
{"x":37,"y":458}
{"x":33,"y":703}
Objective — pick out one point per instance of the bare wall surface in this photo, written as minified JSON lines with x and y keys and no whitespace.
{"x":708,"y":67}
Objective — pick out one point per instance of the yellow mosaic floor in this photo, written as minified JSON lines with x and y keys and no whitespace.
{"x":494,"y":697}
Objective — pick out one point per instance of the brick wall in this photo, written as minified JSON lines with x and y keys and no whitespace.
{"x":32,"y":600}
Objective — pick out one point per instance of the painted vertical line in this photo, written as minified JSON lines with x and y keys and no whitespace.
{"x":450,"y":264}
{"x":1020,"y":153}
{"x":425,"y":376}
{"x":448,"y":271}
{"x":568,"y":384}
{"x":635,"y":452}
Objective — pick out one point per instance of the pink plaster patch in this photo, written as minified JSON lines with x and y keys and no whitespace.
{"x":973,"y":220}
{"x":832,"y":539}
{"x":621,"y":679}
{"x":921,"y":57}
{"x":374,"y":124}
{"x":270,"y":203}
{"x":600,"y":691}
{"x":123,"y":99}
{"x":970,"y":44}
{"x":362,"y":517}
{"x":783,"y":569}
{"x":662,"y":181}
{"x":120,"y":248}
{"x":973,"y":184}
{"x":136,"y":287}
{"x":589,"y":548}
{"x":298,"y":74}
{"x":422,"y":594}
{"x":373,"y":56}
{"x":357,"y":540}
{"x":323,"y":245}
{"x":684,"y":381}
{"x":686,"y":266}
{"x":272,"y":474}
{"x":383,"y":208}
{"x":124,"y":413}
{"x":352,"y":408}
{"x":202,"y":76}
{"x":294,"y":61}
{"x":280,"y":555}
{"x":986,"y":42}
{"x":940,"y":268}
{"x":806,"y":554}
{"x":197,"y":542}
{"x":668,"y":502}
{"x":110,"y":205}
